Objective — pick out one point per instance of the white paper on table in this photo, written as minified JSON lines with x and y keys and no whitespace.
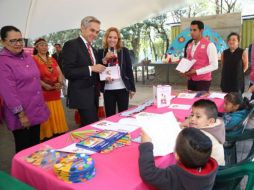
{"x":121,"y":127}
{"x":180,"y":106}
{"x":129,"y":121}
{"x":219,"y":95}
{"x":72,"y":148}
{"x":145,"y":115}
{"x":137,"y":139}
{"x":103,"y":123}
{"x":112,"y":72}
{"x":187,"y":95}
{"x":184,"y":65}
{"x":163,"y":130}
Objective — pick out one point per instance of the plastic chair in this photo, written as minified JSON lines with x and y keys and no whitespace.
{"x":9,"y":183}
{"x":242,"y":135}
{"x":229,"y":178}
{"x":230,"y":146}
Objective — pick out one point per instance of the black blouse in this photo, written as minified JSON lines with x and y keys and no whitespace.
{"x":232,"y":76}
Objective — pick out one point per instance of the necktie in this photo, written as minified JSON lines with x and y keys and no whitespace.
{"x":90,"y":52}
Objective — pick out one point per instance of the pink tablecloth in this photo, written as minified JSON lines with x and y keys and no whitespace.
{"x":116,"y":170}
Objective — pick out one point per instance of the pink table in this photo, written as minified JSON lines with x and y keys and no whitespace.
{"x":116,"y":170}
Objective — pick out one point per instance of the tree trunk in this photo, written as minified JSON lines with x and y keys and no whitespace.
{"x":217,"y":7}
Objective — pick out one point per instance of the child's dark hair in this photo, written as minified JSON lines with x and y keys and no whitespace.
{"x":209,"y":106}
{"x":57,"y":44}
{"x":236,"y":99}
{"x":193,"y":147}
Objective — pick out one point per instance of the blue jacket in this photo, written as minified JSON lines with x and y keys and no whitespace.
{"x":233,"y":119}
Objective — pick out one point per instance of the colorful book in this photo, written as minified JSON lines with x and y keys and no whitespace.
{"x":101,"y":140}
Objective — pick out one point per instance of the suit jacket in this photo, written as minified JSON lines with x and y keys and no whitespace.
{"x":125,"y":64}
{"x":59,"y":59}
{"x":82,"y":87}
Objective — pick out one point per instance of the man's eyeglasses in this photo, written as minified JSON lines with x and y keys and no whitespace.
{"x":16,"y":41}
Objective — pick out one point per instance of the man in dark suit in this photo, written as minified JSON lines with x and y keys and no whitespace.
{"x":80,"y":68}
{"x":58,"y":55}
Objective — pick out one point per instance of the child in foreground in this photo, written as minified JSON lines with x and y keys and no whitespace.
{"x":194,"y":169}
{"x":204,"y":116}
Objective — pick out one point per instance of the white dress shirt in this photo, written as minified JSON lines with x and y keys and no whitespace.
{"x":94,"y":60}
{"x":116,"y":84}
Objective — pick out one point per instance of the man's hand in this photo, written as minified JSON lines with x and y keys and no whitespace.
{"x":190,"y":73}
{"x":98,"y":68}
{"x":182,"y":74}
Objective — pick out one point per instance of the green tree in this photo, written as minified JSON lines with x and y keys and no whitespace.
{"x":161,"y":29}
{"x":132,"y":37}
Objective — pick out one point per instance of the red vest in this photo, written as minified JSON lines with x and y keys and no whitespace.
{"x":252,"y":63}
{"x":202,"y":60}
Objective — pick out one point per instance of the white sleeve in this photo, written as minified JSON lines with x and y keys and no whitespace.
{"x":90,"y":70}
{"x":213,"y":60}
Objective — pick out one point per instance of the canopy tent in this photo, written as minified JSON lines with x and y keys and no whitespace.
{"x":39,"y":17}
{"x":178,"y":44}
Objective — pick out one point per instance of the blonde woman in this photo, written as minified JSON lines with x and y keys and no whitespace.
{"x":118,"y":91}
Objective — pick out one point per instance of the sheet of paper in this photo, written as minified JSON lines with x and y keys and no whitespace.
{"x":129,"y":121}
{"x":180,"y":106}
{"x":112,"y":72}
{"x":145,"y":115}
{"x":121,"y":127}
{"x":163,"y":130}
{"x":219,"y":95}
{"x":187,"y":95}
{"x":137,"y":139}
{"x":72,"y":148}
{"x":184,"y":65}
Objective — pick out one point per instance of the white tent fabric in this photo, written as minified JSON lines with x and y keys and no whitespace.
{"x":38,"y":17}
